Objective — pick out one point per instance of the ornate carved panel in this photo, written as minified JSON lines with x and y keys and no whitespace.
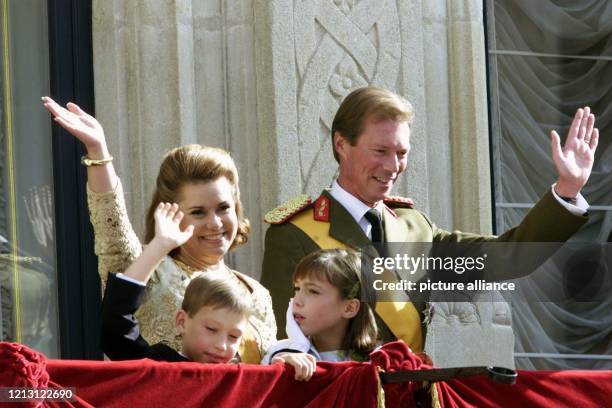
{"x":340,"y":45}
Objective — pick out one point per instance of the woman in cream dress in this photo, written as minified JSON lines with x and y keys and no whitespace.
{"x":203,"y":181}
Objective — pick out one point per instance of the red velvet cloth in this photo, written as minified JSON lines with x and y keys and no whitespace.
{"x":21,"y":366}
{"x":192,"y":384}
{"x":571,"y":388}
{"x":153,"y":384}
{"x":393,"y":357}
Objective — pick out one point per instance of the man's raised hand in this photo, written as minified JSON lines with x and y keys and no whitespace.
{"x":574,"y":161}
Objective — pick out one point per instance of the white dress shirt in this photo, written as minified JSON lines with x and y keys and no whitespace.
{"x":355,"y":207}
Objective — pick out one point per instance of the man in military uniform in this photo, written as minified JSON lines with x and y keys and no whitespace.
{"x":371,"y":142}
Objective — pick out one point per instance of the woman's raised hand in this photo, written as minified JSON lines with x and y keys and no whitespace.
{"x":80,"y":124}
{"x":87,"y":129}
{"x":168,"y":232}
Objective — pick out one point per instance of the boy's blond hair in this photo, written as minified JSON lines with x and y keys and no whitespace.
{"x":210,"y":289}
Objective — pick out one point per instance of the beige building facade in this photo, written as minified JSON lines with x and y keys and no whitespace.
{"x":263,"y":79}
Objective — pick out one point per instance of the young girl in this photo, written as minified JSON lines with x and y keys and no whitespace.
{"x":326,"y":320}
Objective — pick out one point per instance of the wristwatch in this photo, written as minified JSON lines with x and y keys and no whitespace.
{"x":569,"y":200}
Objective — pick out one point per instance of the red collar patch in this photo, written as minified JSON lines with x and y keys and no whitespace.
{"x":321,"y":208}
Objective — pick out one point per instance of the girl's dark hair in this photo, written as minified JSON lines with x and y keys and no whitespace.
{"x":342,"y":269}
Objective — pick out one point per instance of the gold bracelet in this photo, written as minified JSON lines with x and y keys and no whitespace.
{"x":86,"y":161}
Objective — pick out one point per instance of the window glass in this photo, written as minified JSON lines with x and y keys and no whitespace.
{"x":546,"y":59}
{"x":28,"y":283}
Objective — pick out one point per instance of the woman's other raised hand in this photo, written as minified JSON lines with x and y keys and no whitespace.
{"x":78,"y":123}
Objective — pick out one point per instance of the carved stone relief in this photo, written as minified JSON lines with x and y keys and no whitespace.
{"x":340,"y":46}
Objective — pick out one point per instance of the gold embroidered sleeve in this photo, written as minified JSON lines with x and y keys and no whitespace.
{"x":269,"y":336}
{"x":262,"y":316}
{"x":116,"y":244}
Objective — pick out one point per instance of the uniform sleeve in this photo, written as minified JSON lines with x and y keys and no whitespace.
{"x":285,"y":246}
{"x":116,"y":244}
{"x":547,"y":221}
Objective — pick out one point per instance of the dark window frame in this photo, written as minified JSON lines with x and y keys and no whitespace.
{"x":71,"y":74}
{"x":489,"y":116}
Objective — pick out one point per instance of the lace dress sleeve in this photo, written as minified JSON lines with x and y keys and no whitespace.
{"x":116,"y":243}
{"x":269,"y":336}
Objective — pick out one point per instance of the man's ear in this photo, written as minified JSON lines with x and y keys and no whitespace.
{"x":351,"y":308}
{"x":340,"y":144}
{"x":179,"y":321}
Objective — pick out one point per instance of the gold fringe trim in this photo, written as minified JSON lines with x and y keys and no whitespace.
{"x":435,"y":398}
{"x":380,"y":395}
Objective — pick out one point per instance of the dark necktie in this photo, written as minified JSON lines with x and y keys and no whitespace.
{"x":375,"y":220}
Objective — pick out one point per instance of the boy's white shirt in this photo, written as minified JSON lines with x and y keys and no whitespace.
{"x":299,"y":342}
{"x":130,"y":279}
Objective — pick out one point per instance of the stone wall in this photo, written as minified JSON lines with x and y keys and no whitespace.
{"x":169,"y":73}
{"x":263,"y":78}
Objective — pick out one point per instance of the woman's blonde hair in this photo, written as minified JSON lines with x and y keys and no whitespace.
{"x":342,"y":269}
{"x":195,"y":164}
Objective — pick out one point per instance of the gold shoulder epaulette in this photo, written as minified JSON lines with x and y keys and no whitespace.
{"x":399,"y":202}
{"x":288,"y":209}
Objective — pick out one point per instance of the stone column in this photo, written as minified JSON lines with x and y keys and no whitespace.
{"x":469,"y":115}
{"x":310,"y":55}
{"x":172,"y":72}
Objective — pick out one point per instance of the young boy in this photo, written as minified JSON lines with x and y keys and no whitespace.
{"x":212,"y":318}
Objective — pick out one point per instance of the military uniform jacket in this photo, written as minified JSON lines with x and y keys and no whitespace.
{"x":286,"y":244}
